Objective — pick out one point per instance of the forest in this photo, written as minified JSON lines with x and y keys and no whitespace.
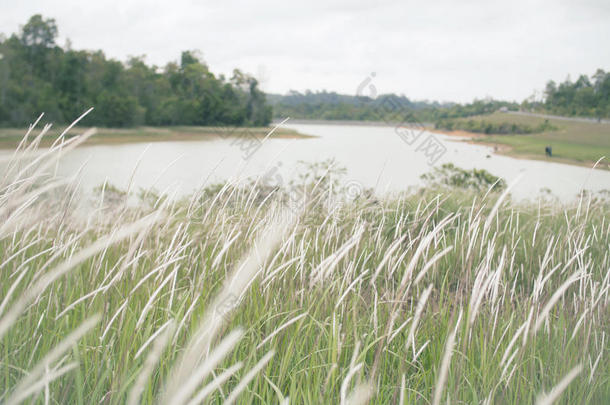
{"x":588,"y":97}
{"x":37,"y":75}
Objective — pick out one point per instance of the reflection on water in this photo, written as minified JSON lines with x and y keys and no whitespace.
{"x":373,"y":156}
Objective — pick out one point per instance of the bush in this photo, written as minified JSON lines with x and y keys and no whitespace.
{"x":488,"y":128}
{"x":476,"y":179}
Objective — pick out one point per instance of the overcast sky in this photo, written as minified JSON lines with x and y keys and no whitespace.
{"x":436,"y":50}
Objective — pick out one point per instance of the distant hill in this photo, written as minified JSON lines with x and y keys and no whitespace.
{"x":335,"y":106}
{"x":586,"y":97}
{"x":325,"y":105}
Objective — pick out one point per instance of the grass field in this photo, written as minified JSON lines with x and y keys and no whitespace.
{"x":580,"y":143}
{"x":232,"y":295}
{"x":10,"y":137}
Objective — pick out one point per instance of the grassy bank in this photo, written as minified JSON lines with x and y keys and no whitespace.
{"x":235,"y":295}
{"x":10,"y":137}
{"x":581,"y":143}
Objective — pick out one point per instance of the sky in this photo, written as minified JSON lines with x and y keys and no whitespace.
{"x":426,"y":50}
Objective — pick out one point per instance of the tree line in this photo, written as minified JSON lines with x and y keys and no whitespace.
{"x":488,"y":127}
{"x":37,"y":75}
{"x":587,"y":97}
{"x":584,"y":97}
{"x":386,"y":107}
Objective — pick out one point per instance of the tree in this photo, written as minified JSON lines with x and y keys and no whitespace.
{"x":584,"y":97}
{"x":550,"y":90}
{"x":38,"y":32}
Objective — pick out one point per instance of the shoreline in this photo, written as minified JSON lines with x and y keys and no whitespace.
{"x":359,"y":123}
{"x":474,"y":138}
{"x":501,"y":148}
{"x":11,"y":137}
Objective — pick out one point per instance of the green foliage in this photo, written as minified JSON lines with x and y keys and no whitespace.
{"x":476,"y":179}
{"x":478,"y":107}
{"x":573,"y":141}
{"x":39,"y":33}
{"x":386,"y":107}
{"x":585,"y":97}
{"x":110,"y":194}
{"x":486,"y":127}
{"x":333,"y":106}
{"x":38,"y":76}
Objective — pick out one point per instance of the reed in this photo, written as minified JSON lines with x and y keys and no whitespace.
{"x":439,"y":295}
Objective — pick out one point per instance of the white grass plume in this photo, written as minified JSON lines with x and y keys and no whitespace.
{"x":179,"y":395}
{"x":215,"y":383}
{"x":554,"y":394}
{"x":418,"y":311}
{"x":441,"y":381}
{"x":280,"y":328}
{"x":164,"y":333}
{"x":47,"y":279}
{"x":233,"y":287}
{"x":249,"y":377}
{"x":24,"y":387}
{"x":360,"y":395}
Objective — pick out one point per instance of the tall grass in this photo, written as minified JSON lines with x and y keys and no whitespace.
{"x":228,"y":296}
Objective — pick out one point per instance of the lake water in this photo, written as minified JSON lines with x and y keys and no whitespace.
{"x":374,"y":156}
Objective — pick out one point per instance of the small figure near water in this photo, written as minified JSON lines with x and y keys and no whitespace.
{"x":549,"y":151}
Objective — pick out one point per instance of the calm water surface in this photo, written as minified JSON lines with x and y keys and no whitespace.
{"x":373,"y":156}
